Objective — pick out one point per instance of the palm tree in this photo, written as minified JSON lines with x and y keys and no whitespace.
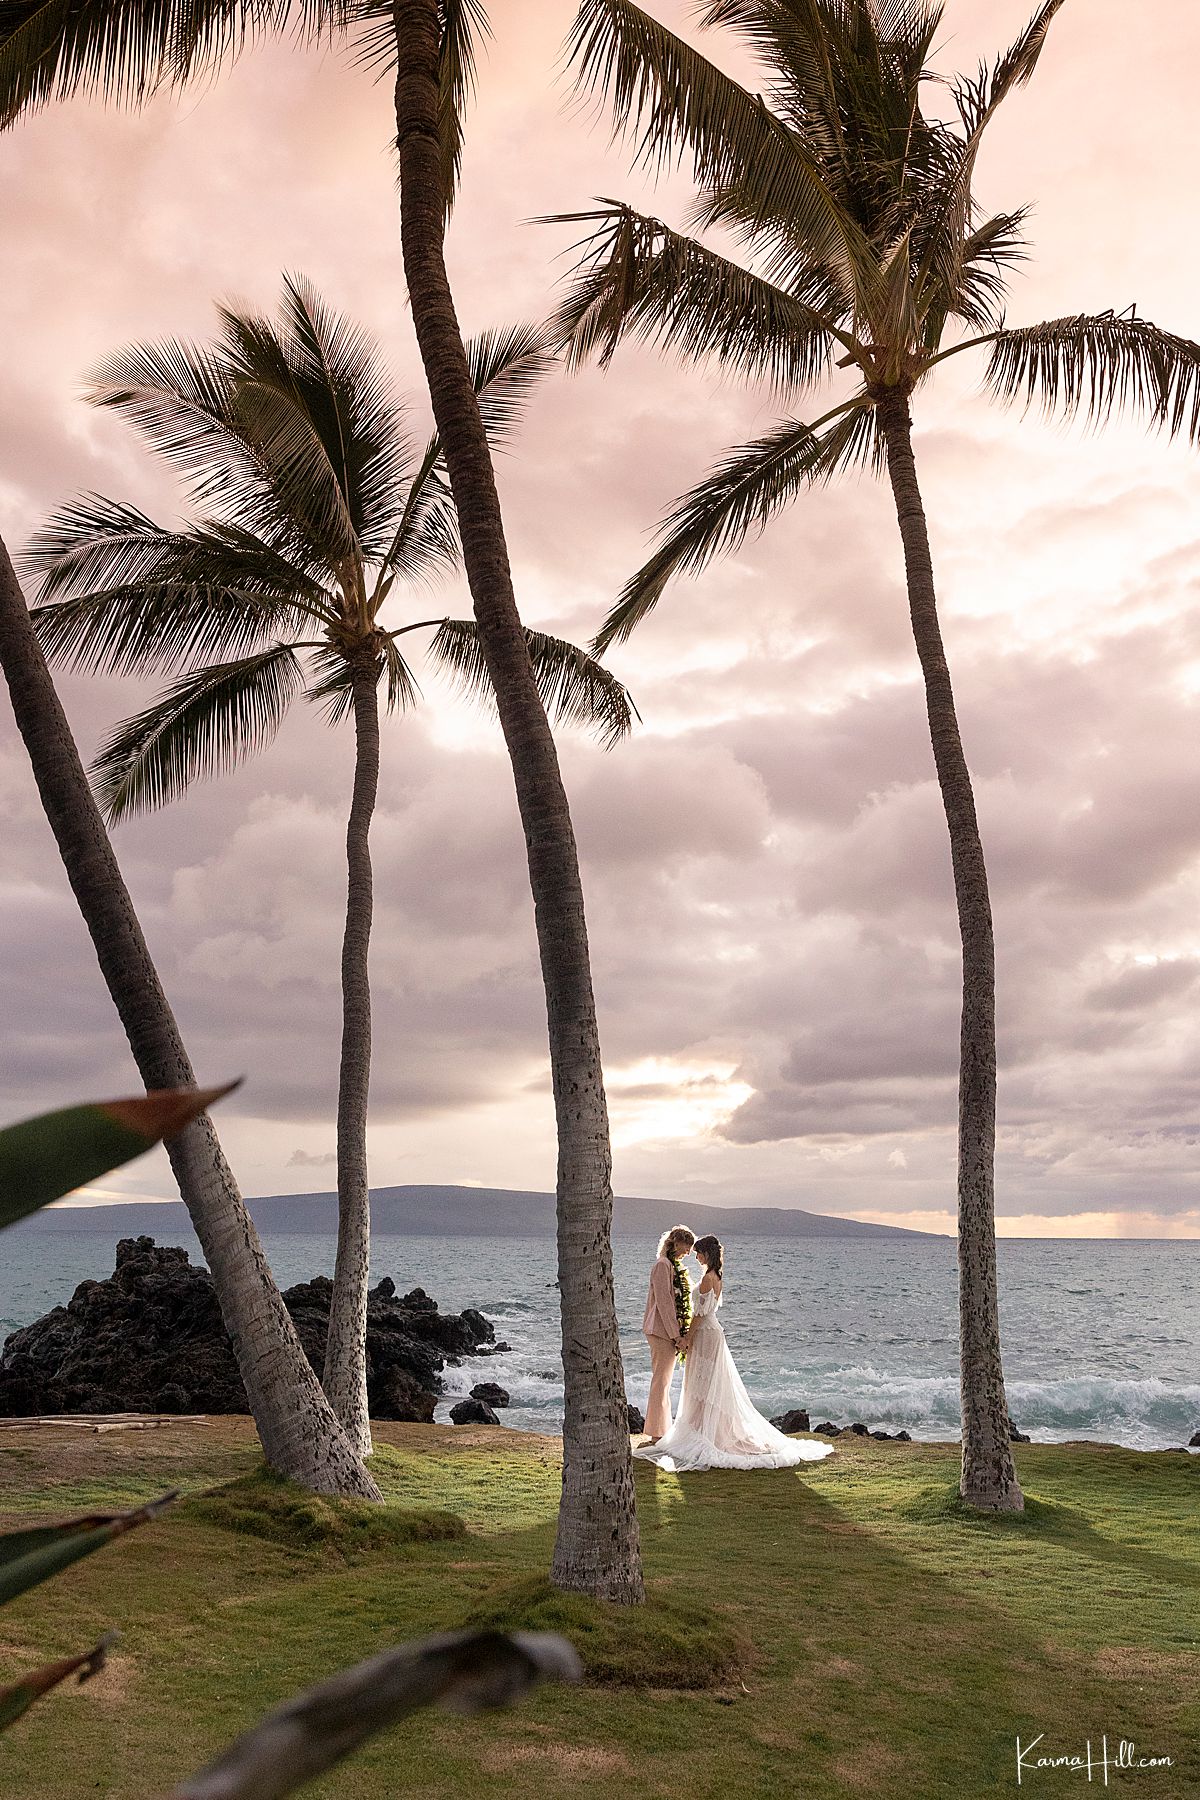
{"x":318,"y":507}
{"x":596,"y":1547}
{"x":865,"y":251}
{"x":300,"y":1434}
{"x":124,"y":50}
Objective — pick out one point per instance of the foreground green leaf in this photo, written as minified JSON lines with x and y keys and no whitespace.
{"x":29,"y":1557}
{"x":20,"y":1695}
{"x":44,"y":1158}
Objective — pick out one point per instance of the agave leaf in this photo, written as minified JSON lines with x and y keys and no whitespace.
{"x":28,"y":1557}
{"x":20,"y":1696}
{"x":464,"y":1671}
{"x":44,"y":1158}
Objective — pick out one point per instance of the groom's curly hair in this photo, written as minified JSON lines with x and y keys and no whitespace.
{"x":677,"y":1235}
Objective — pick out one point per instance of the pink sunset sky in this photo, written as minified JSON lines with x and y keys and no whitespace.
{"x":768,"y":879}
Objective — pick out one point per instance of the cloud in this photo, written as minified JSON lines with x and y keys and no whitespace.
{"x":770,"y":903}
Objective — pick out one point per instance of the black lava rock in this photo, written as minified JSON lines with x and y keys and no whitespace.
{"x":794,"y":1419}
{"x":473,"y":1412}
{"x":1017,"y":1437}
{"x":827,"y":1429}
{"x":1194,"y":1441}
{"x":858,"y":1428}
{"x":637,"y":1419}
{"x":903,"y":1437}
{"x":491,"y":1393}
{"x":151,"y":1339}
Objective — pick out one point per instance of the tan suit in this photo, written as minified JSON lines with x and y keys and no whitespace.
{"x":660,"y":1327}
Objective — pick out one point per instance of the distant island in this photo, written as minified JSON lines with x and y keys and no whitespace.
{"x":465,"y":1212}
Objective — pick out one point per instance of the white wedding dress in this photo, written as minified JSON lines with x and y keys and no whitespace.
{"x":718,"y":1426}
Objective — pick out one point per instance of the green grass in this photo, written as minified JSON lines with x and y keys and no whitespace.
{"x":673,"y":1641}
{"x":264,"y":1505}
{"x":842,"y":1629}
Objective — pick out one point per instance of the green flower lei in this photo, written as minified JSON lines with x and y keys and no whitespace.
{"x":683,"y":1298}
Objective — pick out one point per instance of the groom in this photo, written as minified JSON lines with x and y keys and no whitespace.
{"x":662,"y":1331}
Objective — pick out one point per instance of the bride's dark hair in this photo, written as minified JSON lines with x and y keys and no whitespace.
{"x":710,"y":1249}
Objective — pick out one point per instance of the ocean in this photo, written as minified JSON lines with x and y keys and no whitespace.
{"x":1101,"y":1337}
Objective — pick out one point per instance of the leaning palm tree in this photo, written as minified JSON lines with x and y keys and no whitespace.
{"x":318,"y":512}
{"x":865,"y":251}
{"x":125,"y":50}
{"x":301,"y":1436}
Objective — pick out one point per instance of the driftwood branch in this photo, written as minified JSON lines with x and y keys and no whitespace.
{"x":463,"y":1671}
{"x":96,"y":1422}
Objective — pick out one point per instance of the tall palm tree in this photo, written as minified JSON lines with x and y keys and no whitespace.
{"x":125,"y":50}
{"x":596,"y":1547}
{"x":300,"y":1433}
{"x":864,"y":251}
{"x":319,"y":509}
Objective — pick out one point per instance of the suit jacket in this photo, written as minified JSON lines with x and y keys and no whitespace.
{"x":661,"y":1319}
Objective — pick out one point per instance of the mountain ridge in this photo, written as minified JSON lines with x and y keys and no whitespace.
{"x":445,"y":1210}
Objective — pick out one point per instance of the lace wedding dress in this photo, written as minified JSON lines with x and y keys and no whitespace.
{"x":718,"y":1426}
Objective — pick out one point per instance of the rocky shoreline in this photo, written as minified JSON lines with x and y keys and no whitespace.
{"x":150,"y":1338}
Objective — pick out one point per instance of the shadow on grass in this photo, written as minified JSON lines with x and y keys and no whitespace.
{"x":1049,"y":1523}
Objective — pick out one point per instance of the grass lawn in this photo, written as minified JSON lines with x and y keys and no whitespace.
{"x":860,"y":1635}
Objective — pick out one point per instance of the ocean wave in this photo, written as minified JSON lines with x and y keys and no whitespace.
{"x":1142,"y":1412}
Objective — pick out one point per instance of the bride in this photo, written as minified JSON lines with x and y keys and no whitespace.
{"x":717,"y":1426}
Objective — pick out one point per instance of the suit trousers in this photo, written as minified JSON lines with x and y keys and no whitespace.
{"x":662,"y":1367}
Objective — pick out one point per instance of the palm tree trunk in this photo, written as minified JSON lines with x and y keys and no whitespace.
{"x":346,"y":1347}
{"x":300,"y":1434}
{"x":989,"y":1478}
{"x":597,"y":1550}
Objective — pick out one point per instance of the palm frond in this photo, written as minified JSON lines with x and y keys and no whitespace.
{"x":93,"y":542}
{"x":741,"y":494}
{"x":506,"y":365}
{"x":205,"y":724}
{"x":426,"y":544}
{"x":636,"y":277}
{"x":402,"y":688}
{"x":847,"y":79}
{"x":946,"y":212}
{"x":208,"y":34}
{"x":673,"y":101}
{"x":978,"y":96}
{"x":780,"y":254}
{"x":333,"y":690}
{"x":179,"y":397}
{"x":986,"y":254}
{"x":575,"y":688}
{"x":1095,"y":364}
{"x":464,"y":26}
{"x":313,"y":396}
{"x":52,"y":49}
{"x":119,"y":595}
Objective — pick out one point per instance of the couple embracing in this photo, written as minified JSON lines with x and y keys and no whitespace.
{"x":718,"y":1426}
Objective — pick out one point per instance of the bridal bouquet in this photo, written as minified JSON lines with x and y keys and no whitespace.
{"x":683,"y":1299}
